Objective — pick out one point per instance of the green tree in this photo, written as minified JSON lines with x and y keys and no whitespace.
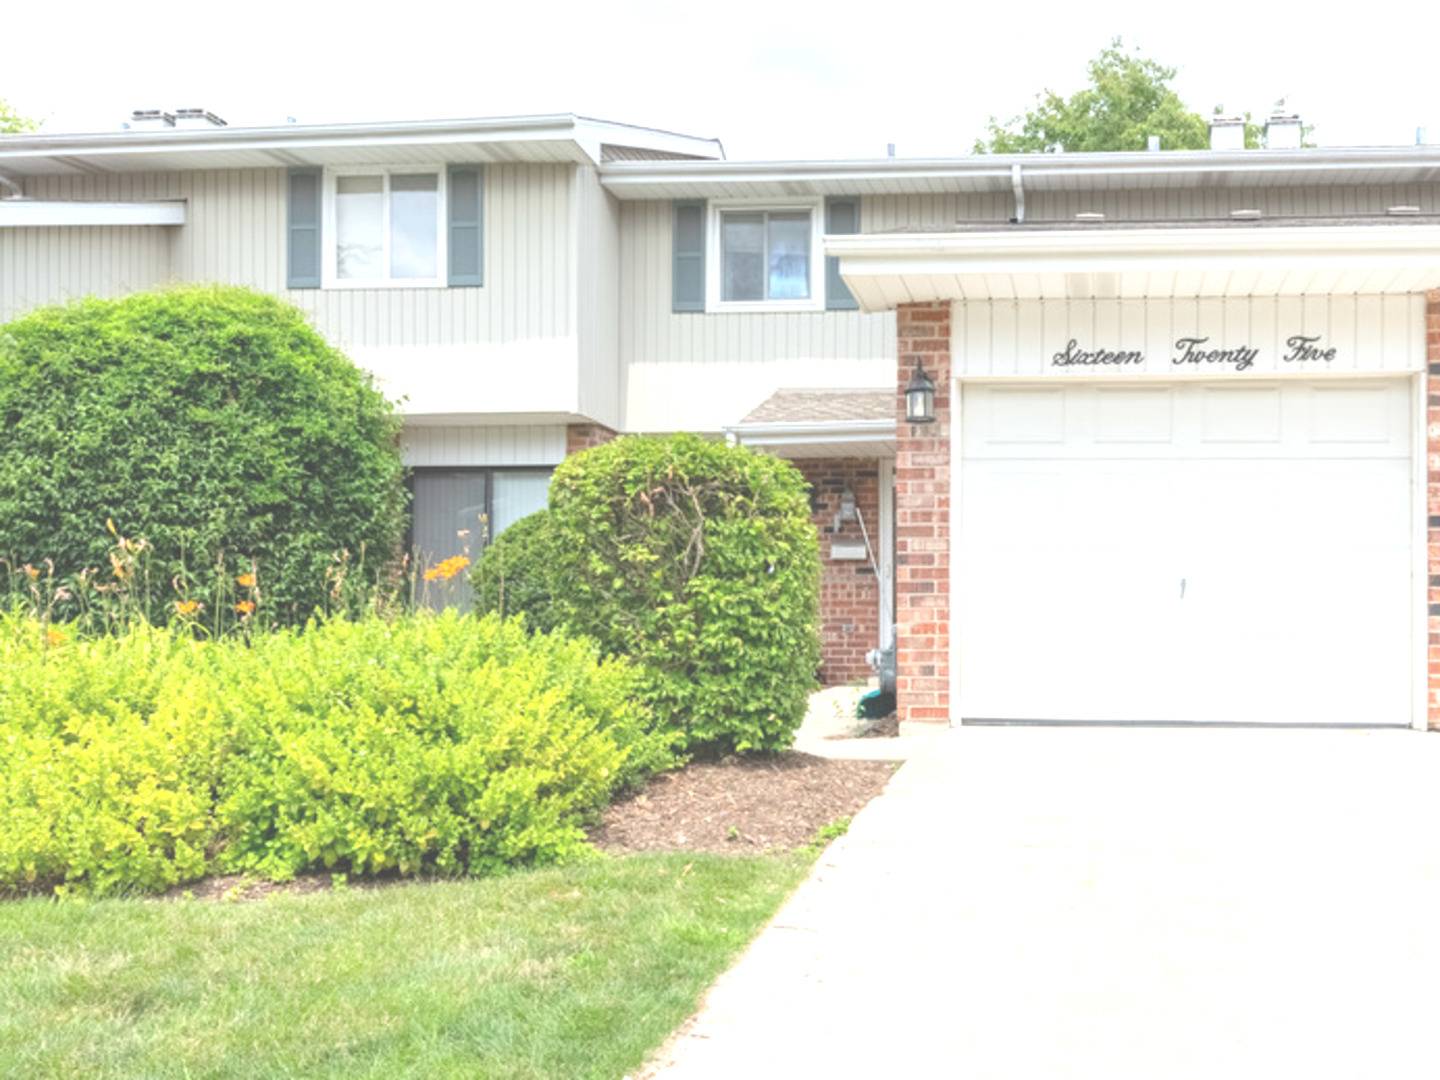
{"x":12,"y":123}
{"x":1128,"y":100}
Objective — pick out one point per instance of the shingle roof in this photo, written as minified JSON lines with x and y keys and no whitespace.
{"x":825,"y":406}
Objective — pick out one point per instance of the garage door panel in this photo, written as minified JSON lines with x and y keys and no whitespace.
{"x":1268,"y":582}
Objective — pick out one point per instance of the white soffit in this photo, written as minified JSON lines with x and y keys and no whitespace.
{"x":883,"y":270}
{"x":37,"y":213}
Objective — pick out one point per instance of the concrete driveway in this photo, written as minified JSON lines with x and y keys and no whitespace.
{"x":1109,"y":903}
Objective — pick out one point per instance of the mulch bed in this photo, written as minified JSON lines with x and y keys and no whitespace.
{"x":730,"y":806}
{"x":741,"y":804}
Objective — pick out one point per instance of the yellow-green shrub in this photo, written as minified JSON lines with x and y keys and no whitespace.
{"x":452,"y":743}
{"x":148,"y":758}
{"x":110,"y":753}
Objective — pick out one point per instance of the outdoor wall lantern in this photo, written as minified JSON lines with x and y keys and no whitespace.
{"x":920,"y":398}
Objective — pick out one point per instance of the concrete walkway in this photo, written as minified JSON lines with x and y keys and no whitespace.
{"x":1154,"y":904}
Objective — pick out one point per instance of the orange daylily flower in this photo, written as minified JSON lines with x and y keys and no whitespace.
{"x":246,"y":581}
{"x":245,"y":607}
{"x":187,"y":607}
{"x":447,"y":569}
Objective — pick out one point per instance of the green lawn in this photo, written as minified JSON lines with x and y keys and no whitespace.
{"x":567,"y":973}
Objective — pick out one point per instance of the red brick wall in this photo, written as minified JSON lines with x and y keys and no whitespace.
{"x":583,"y":436}
{"x":849,"y":589}
{"x":1432,"y":470}
{"x":922,"y":524}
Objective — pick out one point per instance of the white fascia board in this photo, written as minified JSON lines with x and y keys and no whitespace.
{"x":37,"y":213}
{"x":1340,"y":246}
{"x":850,"y":431}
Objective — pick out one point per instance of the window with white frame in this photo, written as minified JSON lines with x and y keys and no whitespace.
{"x":386,"y":228}
{"x":766,"y":257}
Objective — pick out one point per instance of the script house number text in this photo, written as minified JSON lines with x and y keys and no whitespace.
{"x":1072,"y":355}
{"x":1195,"y":352}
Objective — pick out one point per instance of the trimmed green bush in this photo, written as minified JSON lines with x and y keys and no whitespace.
{"x":699,"y":561}
{"x":147,"y":758}
{"x":516,"y":574}
{"x":214,"y":421}
{"x":450,"y":743}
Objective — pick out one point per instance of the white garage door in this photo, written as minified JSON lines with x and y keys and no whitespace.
{"x":1193,"y":553}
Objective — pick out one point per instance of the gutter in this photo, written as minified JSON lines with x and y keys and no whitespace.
{"x":997,"y":171}
{"x":800,"y":434}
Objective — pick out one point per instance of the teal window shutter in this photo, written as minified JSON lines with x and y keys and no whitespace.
{"x":465,"y":194}
{"x":842,"y":218}
{"x":303,"y":229}
{"x":687,"y":288}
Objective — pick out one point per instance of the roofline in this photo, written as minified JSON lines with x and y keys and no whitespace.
{"x":618,"y":176}
{"x":584,"y":131}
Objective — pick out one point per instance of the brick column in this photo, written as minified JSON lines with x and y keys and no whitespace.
{"x":1432,"y":480}
{"x":922,"y":525}
{"x":583,"y":436}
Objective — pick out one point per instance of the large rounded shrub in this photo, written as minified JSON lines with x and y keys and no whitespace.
{"x":214,"y":422}
{"x":698,"y":560}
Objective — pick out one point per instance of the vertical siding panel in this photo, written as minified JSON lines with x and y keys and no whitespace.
{"x":1031,"y":340}
{"x":1263,"y":330}
{"x":1340,"y":330}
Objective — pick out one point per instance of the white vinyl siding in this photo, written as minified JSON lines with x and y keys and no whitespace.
{"x":1020,"y":338}
{"x":701,"y":371}
{"x":888,"y":213}
{"x":509,"y":444}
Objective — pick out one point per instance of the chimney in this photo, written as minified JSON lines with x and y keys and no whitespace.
{"x":1227,"y":133}
{"x":197,"y":118}
{"x":151,"y":120}
{"x":1282,"y":132}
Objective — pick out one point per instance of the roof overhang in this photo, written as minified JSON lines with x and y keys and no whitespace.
{"x":887,"y":269}
{"x":826,"y":439}
{"x":562,"y":138}
{"x":996,"y":173}
{"x":38,"y":213}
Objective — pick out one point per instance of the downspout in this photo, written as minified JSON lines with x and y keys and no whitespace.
{"x":16,"y":191}
{"x":1019,"y":186}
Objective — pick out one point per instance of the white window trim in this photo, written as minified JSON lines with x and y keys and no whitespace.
{"x":714,"y":271}
{"x":330,"y":278}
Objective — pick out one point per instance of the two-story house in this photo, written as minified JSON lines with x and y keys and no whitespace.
{"x":1180,"y":462}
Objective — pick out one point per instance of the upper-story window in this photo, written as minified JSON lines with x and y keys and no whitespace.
{"x":766,"y":258}
{"x":765,"y":255}
{"x":750,"y":256}
{"x":388,"y":228}
{"x":385,"y":227}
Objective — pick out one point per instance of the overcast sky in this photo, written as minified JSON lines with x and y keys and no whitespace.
{"x":773,"y":80}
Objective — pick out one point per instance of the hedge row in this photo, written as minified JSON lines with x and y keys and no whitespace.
{"x":450,"y":744}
